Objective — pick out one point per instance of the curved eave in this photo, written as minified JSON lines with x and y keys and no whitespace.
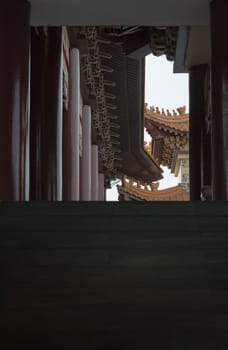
{"x":150,"y":170}
{"x":140,"y":166}
{"x":179,"y":125}
{"x":128,"y":76}
{"x":170,"y":194}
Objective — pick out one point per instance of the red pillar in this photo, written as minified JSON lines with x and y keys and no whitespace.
{"x":39,"y":60}
{"x":219,"y":87}
{"x":206,"y":156}
{"x":71,"y":133}
{"x":197,"y":115}
{"x":46,"y":115}
{"x":14,"y":98}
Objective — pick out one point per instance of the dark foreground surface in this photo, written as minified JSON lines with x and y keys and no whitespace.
{"x":114,"y":276}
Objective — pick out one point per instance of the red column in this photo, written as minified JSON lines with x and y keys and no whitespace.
{"x":219,"y":87}
{"x":71,"y":127}
{"x":46,"y":115}
{"x":14,"y":98}
{"x":39,"y":61}
{"x":53,"y":116}
{"x":197,"y":115}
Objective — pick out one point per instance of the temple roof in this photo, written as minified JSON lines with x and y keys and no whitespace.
{"x":149,"y":192}
{"x":169,"y":132}
{"x":113,"y":84}
{"x":139,"y":41}
{"x":176,"y":122}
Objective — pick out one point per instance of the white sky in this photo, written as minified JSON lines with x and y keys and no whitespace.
{"x":166,"y":90}
{"x":163,"y":88}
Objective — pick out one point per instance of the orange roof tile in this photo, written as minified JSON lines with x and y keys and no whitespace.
{"x":150,"y":192}
{"x":176,"y":121}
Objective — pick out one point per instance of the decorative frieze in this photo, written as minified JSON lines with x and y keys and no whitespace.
{"x":150,"y":191}
{"x":93,"y":71}
{"x":163,"y":41}
{"x":173,"y":127}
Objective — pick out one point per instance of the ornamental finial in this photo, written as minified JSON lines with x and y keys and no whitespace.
{"x":157,"y":110}
{"x":145,"y":107}
{"x":181,"y":110}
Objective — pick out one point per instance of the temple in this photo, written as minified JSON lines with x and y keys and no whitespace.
{"x":85,"y":95}
{"x":124,"y":275}
{"x":169,"y":147}
{"x":170,"y":140}
{"x":99,"y":108}
{"x":72,"y":104}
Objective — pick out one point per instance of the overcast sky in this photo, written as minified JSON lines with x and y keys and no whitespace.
{"x":166,"y":90}
{"x":163,"y":88}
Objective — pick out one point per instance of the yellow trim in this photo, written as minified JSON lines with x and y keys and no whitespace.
{"x":175,"y":193}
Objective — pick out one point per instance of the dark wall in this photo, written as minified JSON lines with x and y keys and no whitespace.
{"x":114,"y":275}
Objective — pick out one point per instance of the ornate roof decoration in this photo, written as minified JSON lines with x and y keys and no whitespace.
{"x":112,"y":83}
{"x":169,"y":132}
{"x":150,"y":192}
{"x":119,"y":31}
{"x":176,"y":121}
{"x":148,"y":147}
{"x":163,"y":41}
{"x":93,"y":70}
{"x":112,"y":71}
{"x":160,"y":40}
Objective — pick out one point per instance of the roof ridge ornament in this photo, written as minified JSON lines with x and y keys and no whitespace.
{"x":150,"y":191}
{"x":153,"y":111}
{"x":181,"y":110}
{"x":163,"y":41}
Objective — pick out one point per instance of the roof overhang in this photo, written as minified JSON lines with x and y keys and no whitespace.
{"x":119,"y":108}
{"x":193,"y":48}
{"x":119,"y":12}
{"x":134,"y":190}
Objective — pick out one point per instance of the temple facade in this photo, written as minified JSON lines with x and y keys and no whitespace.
{"x":54,"y":80}
{"x":117,"y":275}
{"x":72,"y":134}
{"x":169,"y":147}
{"x":170,"y":140}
